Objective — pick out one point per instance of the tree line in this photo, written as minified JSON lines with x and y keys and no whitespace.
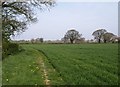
{"x":17,"y":15}
{"x":100,"y":35}
{"x":73,"y":36}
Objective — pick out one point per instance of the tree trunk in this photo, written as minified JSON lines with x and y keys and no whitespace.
{"x":98,"y":40}
{"x":104,"y":41}
{"x":71,"y":41}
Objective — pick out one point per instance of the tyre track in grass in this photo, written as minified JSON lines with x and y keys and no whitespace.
{"x":48,"y":69}
{"x":45,"y":73}
{"x":42,"y":67}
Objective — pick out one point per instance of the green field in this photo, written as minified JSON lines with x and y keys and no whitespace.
{"x":64,"y":64}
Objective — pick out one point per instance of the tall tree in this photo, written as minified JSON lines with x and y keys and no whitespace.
{"x":72,"y":35}
{"x":17,"y":15}
{"x":98,"y":34}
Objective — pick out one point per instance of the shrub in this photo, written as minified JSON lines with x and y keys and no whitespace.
{"x":13,"y":48}
{"x":9,"y":48}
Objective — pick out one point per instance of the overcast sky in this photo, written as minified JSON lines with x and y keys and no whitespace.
{"x":85,"y":17}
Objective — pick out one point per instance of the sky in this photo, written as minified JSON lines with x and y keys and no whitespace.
{"x":85,"y":17}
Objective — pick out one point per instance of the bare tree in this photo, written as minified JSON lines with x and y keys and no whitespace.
{"x":41,"y":40}
{"x":98,"y":34}
{"x":32,"y":40}
{"x":107,"y":37}
{"x":115,"y":38}
{"x":72,"y":35}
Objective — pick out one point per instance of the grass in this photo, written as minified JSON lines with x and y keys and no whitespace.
{"x":24,"y":69}
{"x":70,"y":64}
{"x":21,"y":69}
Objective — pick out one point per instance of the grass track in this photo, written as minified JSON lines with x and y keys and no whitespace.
{"x":25,"y":69}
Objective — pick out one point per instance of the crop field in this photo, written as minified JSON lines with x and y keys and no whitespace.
{"x":62,"y":64}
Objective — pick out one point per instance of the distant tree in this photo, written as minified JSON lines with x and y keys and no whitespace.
{"x":65,"y":39}
{"x":41,"y":40}
{"x":107,"y":37}
{"x":98,"y":34}
{"x":37,"y":40}
{"x":32,"y":40}
{"x":62,"y":40}
{"x":81,"y":40}
{"x":72,"y":35}
{"x":115,"y":38}
{"x":91,"y":40}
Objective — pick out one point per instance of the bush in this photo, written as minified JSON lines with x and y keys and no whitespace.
{"x":9,"y":48}
{"x":13,"y":48}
